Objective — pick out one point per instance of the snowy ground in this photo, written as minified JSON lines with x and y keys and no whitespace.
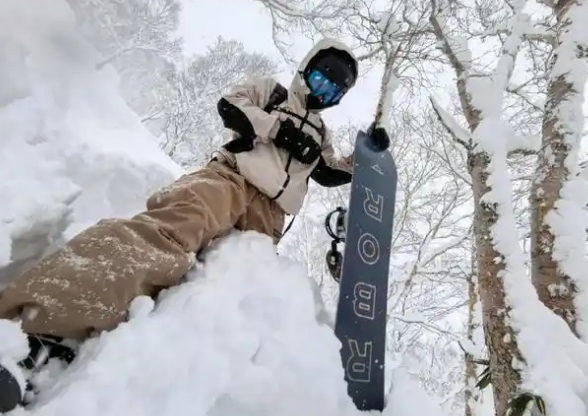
{"x":239,"y":338}
{"x":71,"y":150}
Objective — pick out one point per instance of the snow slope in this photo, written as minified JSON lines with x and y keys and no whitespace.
{"x":71,"y":151}
{"x":238,"y":338}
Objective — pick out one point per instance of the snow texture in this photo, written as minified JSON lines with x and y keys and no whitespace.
{"x":240,"y":337}
{"x":13,"y":348}
{"x":71,"y":150}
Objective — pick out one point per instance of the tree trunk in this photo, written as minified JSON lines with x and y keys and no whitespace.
{"x":472,"y":394}
{"x":554,"y":289}
{"x":559,"y":136}
{"x":503,"y":351}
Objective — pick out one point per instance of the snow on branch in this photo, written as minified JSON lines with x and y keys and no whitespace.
{"x":534,"y":32}
{"x":459,"y":134}
{"x":526,"y":145}
{"x":487,"y":92}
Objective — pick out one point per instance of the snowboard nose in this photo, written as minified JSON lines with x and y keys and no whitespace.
{"x":10,"y":391}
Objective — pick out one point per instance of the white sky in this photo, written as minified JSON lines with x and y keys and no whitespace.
{"x":247,"y":21}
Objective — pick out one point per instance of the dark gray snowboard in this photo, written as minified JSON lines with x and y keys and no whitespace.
{"x":362,"y":308}
{"x":10,"y":391}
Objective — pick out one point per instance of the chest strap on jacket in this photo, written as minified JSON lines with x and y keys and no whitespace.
{"x":243,"y":144}
{"x":320,"y":129}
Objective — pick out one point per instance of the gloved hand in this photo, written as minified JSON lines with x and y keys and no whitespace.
{"x":379,"y":136}
{"x":300,"y":145}
{"x":240,"y":144}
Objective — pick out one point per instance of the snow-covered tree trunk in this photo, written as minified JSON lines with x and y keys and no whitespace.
{"x":558,"y":195}
{"x":500,"y":339}
{"x":499,"y":261}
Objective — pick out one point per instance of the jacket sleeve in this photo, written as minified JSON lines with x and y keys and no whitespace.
{"x":330,"y":170}
{"x":241,"y":109}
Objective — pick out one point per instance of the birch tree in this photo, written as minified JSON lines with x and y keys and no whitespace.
{"x":498,"y":256}
{"x":559,"y":194}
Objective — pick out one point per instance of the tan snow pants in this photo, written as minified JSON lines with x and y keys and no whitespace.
{"x":88,"y":284}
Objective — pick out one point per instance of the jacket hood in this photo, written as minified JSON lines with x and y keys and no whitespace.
{"x":298,"y":86}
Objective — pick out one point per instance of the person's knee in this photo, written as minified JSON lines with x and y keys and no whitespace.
{"x":198,"y":186}
{"x":167,"y":196}
{"x":155,"y":201}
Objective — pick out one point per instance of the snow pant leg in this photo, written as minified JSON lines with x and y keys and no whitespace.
{"x":241,"y":206}
{"x":263,"y":215}
{"x":87,"y":285}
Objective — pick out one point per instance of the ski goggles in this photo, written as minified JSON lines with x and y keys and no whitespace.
{"x":323,"y":88}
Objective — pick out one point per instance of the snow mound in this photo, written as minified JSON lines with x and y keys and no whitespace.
{"x":71,"y":151}
{"x":238,"y":338}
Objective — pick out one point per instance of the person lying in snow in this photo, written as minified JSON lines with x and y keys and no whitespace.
{"x":250,"y":184}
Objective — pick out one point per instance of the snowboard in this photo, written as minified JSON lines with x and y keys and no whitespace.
{"x":362,"y":305}
{"x":41,"y":349}
{"x":10,"y":391}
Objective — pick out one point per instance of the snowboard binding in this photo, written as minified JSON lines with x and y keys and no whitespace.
{"x":334,"y":257}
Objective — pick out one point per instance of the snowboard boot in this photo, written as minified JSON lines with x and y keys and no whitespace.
{"x":44,"y":347}
{"x":15,"y":377}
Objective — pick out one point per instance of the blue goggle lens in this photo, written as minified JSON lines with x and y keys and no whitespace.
{"x":323,"y":88}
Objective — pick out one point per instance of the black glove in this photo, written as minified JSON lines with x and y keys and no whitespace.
{"x":300,"y":145}
{"x":239,"y":145}
{"x":379,"y":136}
